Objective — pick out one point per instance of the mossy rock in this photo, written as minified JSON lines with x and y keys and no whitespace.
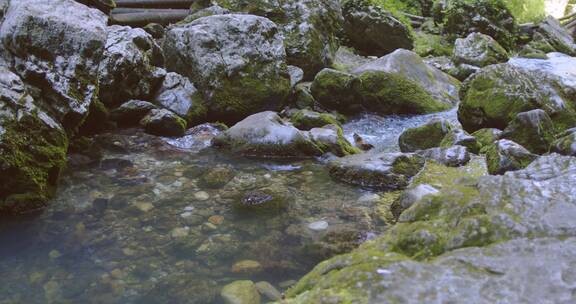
{"x":534,"y":130}
{"x":424,"y":137}
{"x":505,"y":155}
{"x":216,"y":177}
{"x":334,"y":90}
{"x":430,"y":45}
{"x":306,"y":119}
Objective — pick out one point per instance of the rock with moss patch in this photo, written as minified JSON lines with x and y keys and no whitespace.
{"x":411,"y":197}
{"x":455,"y":156}
{"x":551,"y":33}
{"x":180,"y":96}
{"x":494,"y":96}
{"x":486,"y":137}
{"x":302,"y":97}
{"x":381,"y":171}
{"x":533,"y":130}
{"x":162,"y":122}
{"x":33,"y":149}
{"x":459,"y":137}
{"x":441,"y":90}
{"x":489,"y":17}
{"x":56,"y":47}
{"x":479,"y":50}
{"x":347,"y":59}
{"x":365,"y":23}
{"x":428,"y":136}
{"x":307,"y":119}
{"x":131,"y":113}
{"x":237,"y":61}
{"x":505,"y":155}
{"x":331,"y":139}
{"x":566,"y":143}
{"x":335,"y":90}
{"x":240,"y":292}
{"x":131,"y":67}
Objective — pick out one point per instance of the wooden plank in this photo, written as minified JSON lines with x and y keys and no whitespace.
{"x":155,"y":3}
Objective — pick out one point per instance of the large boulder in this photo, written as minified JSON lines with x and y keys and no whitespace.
{"x":163,"y":122}
{"x":441,"y":88}
{"x":490,"y":17}
{"x":505,"y":155}
{"x":267,"y":135}
{"x":553,"y":35}
{"x":335,"y":90}
{"x":373,"y":30}
{"x":494,"y":96}
{"x":237,"y":61}
{"x":180,"y":96}
{"x":57,"y":46}
{"x":33,"y":149}
{"x":534,"y":130}
{"x":424,"y":137}
{"x":478,"y":239}
{"x":309,"y":27}
{"x":380,"y":171}
{"x":479,"y":50}
{"x":130,"y":67}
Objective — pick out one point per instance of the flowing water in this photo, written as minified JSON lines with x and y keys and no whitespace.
{"x":157,"y":221}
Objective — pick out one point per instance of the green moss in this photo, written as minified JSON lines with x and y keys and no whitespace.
{"x":527,"y":10}
{"x":32,"y":156}
{"x":388,"y":93}
{"x":424,"y":137}
{"x":432,"y":45}
{"x":334,"y":90}
{"x":306,"y":120}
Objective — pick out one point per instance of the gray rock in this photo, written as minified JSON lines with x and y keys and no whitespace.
{"x":296,"y":75}
{"x":205,"y":12}
{"x":131,"y":112}
{"x":486,"y":137}
{"x":551,"y":32}
{"x":302,"y":97}
{"x":455,"y":156}
{"x":155,"y":30}
{"x":335,"y":90}
{"x":533,"y":130}
{"x":381,"y":171}
{"x":505,"y":155}
{"x":412,"y":196}
{"x":366,"y":24}
{"x":459,"y":137}
{"x":347,"y":60}
{"x":494,"y":96}
{"x":441,"y":87}
{"x":331,"y":139}
{"x":427,"y":136}
{"x":237,"y":61}
{"x":479,"y":50}
{"x":33,"y":149}
{"x":240,"y":292}
{"x":162,"y":122}
{"x":180,"y":96}
{"x":269,"y":291}
{"x":566,"y":143}
{"x":130,"y":67}
{"x":57,"y":46}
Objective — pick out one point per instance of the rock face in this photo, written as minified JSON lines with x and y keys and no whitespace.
{"x":479,"y":50}
{"x":381,"y":171}
{"x":180,"y":96}
{"x":489,"y":17}
{"x":33,"y":149}
{"x":511,"y":227}
{"x":267,"y":135}
{"x":309,"y":27}
{"x":533,"y":130}
{"x":424,"y":137}
{"x":130,"y":68}
{"x":440,"y":86}
{"x":494,"y":96}
{"x":237,"y":61}
{"x":57,"y":46}
{"x":366,"y":24}
{"x":505,"y":155}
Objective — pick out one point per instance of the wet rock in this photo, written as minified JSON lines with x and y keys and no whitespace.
{"x":130,"y":67}
{"x":459,"y":137}
{"x":180,"y":96}
{"x":479,"y":50}
{"x":382,"y":171}
{"x":269,"y":291}
{"x":440,"y":87}
{"x":306,"y":119}
{"x":131,"y":113}
{"x":57,"y":46}
{"x":318,"y":226}
{"x":162,"y":122}
{"x":240,"y":292}
{"x":33,"y":149}
{"x":238,"y":62}
{"x":330,"y":139}
{"x":505,"y":155}
{"x":566,"y":143}
{"x":366,"y":23}
{"x":494,"y":96}
{"x":455,"y":156}
{"x":533,"y":130}
{"x":492,"y":18}
{"x":266,"y":199}
{"x":198,"y":138}
{"x":181,"y":288}
{"x":216,"y":177}
{"x":424,"y":137}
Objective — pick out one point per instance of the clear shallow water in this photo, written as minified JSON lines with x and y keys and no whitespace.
{"x":145,"y":226}
{"x":383,"y":132}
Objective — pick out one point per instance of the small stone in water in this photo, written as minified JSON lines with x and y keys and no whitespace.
{"x":186,"y":214}
{"x":247,"y":266}
{"x":180,"y":232}
{"x":54,"y":254}
{"x":216,"y":219}
{"x":144,"y":206}
{"x":268,"y":290}
{"x":201,"y":195}
{"x":318,"y":226}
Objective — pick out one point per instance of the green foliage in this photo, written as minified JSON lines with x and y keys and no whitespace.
{"x":526,"y":10}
